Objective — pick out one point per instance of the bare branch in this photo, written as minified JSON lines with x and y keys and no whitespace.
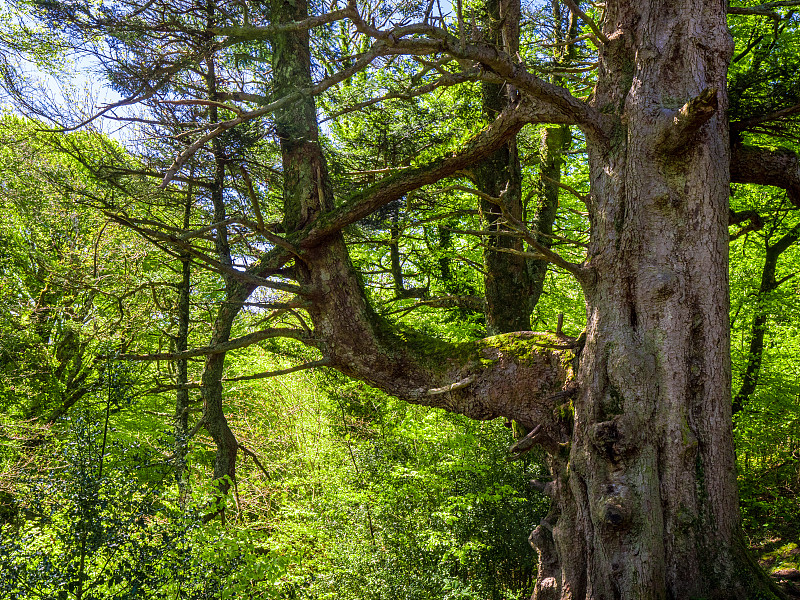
{"x":173,"y":241}
{"x":255,"y":458}
{"x":246,"y":33}
{"x":234,"y":344}
{"x":581,"y":273}
{"x":193,"y":102}
{"x":582,"y":197}
{"x":527,"y":442}
{"x":586,"y":19}
{"x":458,"y":385}
{"x":324,"y":362}
{"x":251,"y":192}
{"x":544,"y":98}
{"x":777,"y":115}
{"x":314,"y":90}
{"x":446,"y":79}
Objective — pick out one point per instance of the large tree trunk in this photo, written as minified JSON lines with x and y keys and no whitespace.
{"x":647,"y":506}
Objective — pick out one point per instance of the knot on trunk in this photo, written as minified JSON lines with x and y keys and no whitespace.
{"x":614,"y":506}
{"x":612,"y":438}
{"x":679,"y":127}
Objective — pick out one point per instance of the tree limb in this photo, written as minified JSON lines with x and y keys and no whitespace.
{"x":678,"y":127}
{"x":233,"y":344}
{"x":761,"y":166}
{"x":586,"y":19}
{"x":778,"y":115}
{"x":396,"y":185}
{"x":246,"y":33}
{"x":547,"y":98}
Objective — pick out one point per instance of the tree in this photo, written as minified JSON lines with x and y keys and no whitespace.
{"x":636,"y":415}
{"x":58,"y":322}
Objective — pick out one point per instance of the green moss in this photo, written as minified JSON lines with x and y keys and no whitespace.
{"x":785,"y":557}
{"x":566,"y":411}
{"x":686,"y":432}
{"x":525,"y":347}
{"x":435,"y":354}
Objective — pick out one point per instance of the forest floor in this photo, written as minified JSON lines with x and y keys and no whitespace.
{"x":780,"y":556}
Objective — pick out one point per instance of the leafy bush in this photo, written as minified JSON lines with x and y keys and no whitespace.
{"x":90,"y":532}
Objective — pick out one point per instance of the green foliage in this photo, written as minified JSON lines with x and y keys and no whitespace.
{"x":388,"y":500}
{"x":56,"y":252}
{"x":767,"y":442}
{"x":119,"y":533}
{"x":763,"y":77}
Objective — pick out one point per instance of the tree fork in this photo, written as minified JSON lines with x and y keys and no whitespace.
{"x":359,"y":342}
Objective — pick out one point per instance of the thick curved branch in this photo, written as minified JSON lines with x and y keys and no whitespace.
{"x":394,"y":186}
{"x":778,"y":168}
{"x":549,"y":98}
{"x":520,"y":376}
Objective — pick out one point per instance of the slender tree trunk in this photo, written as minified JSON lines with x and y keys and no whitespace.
{"x":646,"y":502}
{"x":768,"y":285}
{"x":555,"y":141}
{"x":181,"y":427}
{"x":507,"y":281}
{"x":395,"y":258}
{"x":213,"y":412}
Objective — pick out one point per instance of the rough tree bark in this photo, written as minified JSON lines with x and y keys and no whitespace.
{"x":646,"y":500}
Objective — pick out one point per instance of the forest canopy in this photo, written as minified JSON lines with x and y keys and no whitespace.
{"x":482,"y":299}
